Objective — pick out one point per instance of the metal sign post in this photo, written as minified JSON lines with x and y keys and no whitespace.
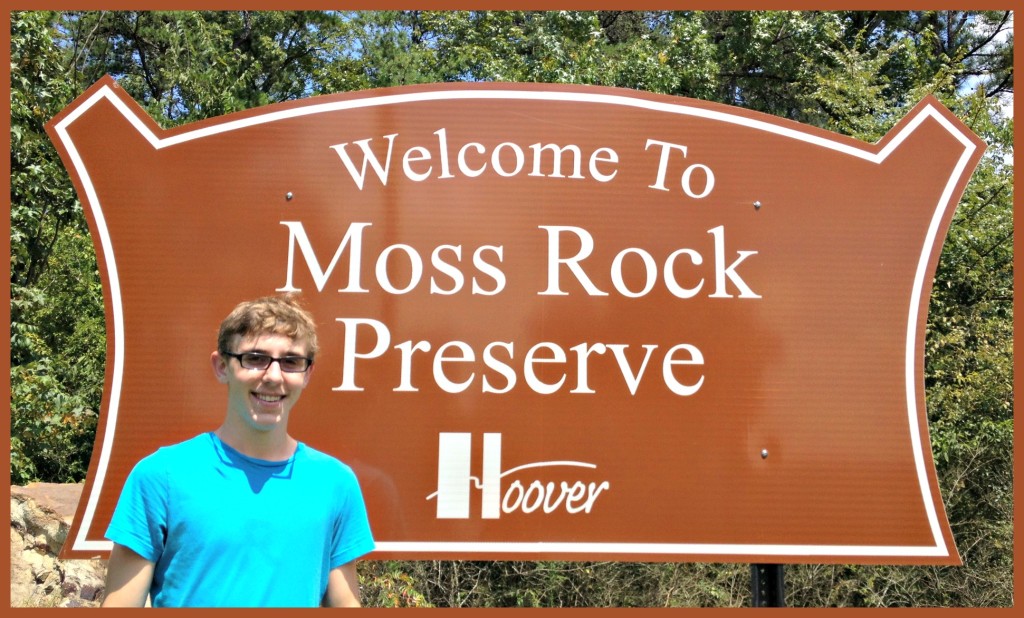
{"x":768,"y":585}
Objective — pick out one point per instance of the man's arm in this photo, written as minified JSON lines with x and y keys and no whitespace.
{"x":129,"y":576}
{"x":343,"y":587}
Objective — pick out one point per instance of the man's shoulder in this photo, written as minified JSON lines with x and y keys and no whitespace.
{"x":167,"y":463}
{"x":201,"y":441}
{"x":318,"y":456}
{"x":186,"y":449}
{"x":325,"y":461}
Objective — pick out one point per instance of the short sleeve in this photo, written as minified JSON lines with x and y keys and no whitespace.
{"x":140,"y":517}
{"x":352,"y":538}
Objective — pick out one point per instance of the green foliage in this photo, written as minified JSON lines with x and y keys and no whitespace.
{"x":56,"y":364}
{"x":51,"y":429}
{"x":387,"y":584}
{"x":852,"y":72}
{"x":552,"y":584}
{"x":42,"y":199}
{"x":183,"y":66}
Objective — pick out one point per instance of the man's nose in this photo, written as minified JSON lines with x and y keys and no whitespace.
{"x":273,"y":371}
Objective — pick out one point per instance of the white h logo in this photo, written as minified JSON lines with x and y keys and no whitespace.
{"x":454,"y":479}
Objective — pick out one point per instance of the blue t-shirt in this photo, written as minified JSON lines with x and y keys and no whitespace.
{"x":227,"y":530}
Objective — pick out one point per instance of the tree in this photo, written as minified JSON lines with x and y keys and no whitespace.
{"x":188,"y":65}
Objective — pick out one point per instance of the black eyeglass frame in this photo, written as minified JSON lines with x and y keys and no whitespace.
{"x":270,"y":360}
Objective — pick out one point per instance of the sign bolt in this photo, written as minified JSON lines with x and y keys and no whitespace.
{"x":288,"y":196}
{"x":757,"y":205}
{"x":764,"y":453}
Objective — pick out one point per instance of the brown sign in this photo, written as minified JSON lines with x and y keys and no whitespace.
{"x":557,"y":321}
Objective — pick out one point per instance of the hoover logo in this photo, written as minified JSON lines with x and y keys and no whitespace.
{"x":455,"y":484}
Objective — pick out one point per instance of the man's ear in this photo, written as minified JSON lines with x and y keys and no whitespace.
{"x":220,"y":367}
{"x":309,"y":373}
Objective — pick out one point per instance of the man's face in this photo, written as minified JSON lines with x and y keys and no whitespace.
{"x":262,"y":398}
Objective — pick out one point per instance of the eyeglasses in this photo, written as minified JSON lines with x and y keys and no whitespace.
{"x":262,"y":362}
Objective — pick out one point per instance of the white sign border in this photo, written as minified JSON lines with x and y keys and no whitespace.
{"x":937,"y":549}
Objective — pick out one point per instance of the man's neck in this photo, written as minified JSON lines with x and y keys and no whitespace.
{"x":268,"y":446}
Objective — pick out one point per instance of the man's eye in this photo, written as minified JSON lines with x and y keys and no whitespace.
{"x":255,"y":360}
{"x":293,"y":363}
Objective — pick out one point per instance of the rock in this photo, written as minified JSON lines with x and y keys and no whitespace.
{"x":41,"y":515}
{"x":22,"y":582}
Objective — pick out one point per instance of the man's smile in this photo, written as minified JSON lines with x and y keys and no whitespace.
{"x":268,"y":397}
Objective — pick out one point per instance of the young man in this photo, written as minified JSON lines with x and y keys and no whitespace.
{"x":244,"y":515}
